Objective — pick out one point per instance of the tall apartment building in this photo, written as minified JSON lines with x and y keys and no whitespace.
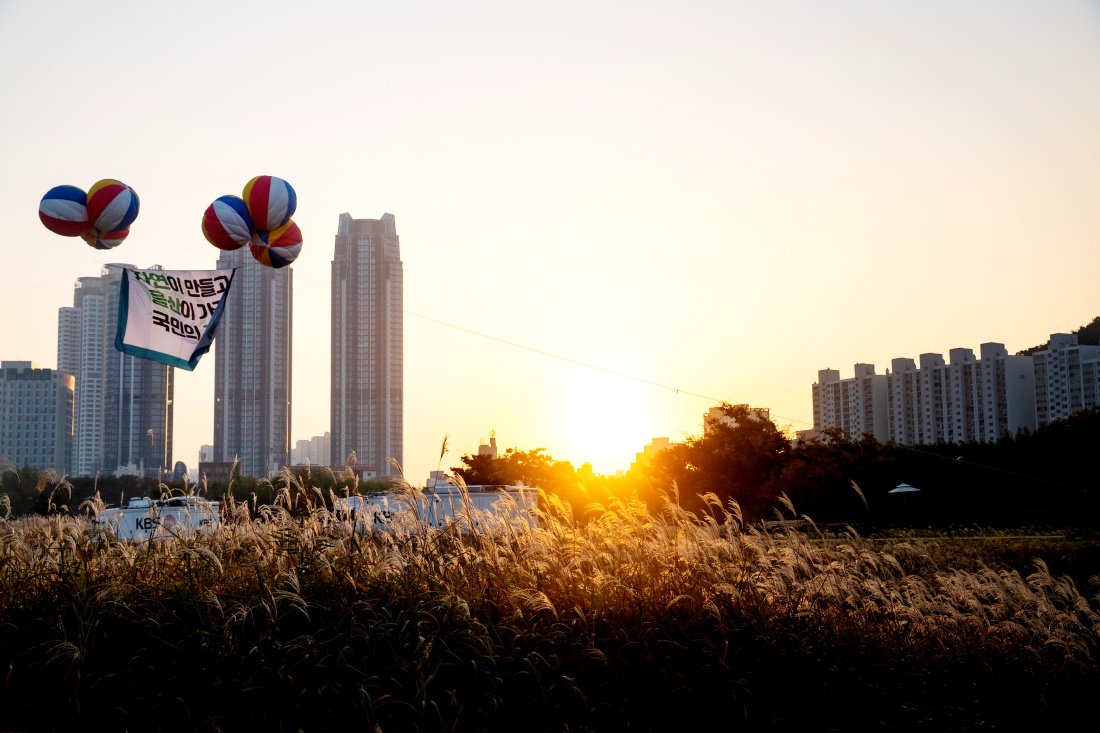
{"x":367,"y":345}
{"x":123,"y":404}
{"x":252,"y":367}
{"x":1067,"y":378}
{"x":856,"y":405}
{"x":1007,"y":393}
{"x":932,"y":399}
{"x":903,"y":412}
{"x":36,"y":416}
{"x":977,"y":398}
{"x":963,"y":399}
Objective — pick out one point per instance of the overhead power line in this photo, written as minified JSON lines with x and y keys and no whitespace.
{"x":577,"y":362}
{"x":559,"y":357}
{"x":9,"y":295}
{"x":563,"y":358}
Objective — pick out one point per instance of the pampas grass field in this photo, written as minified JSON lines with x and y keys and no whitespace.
{"x":283,"y":618}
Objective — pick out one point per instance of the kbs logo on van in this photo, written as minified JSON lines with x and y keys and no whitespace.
{"x":169,"y":521}
{"x":146,"y":523}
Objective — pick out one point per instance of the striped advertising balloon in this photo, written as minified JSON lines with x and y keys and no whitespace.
{"x":278,"y":247}
{"x":112,"y":205}
{"x":226,"y":223}
{"x":271,"y":201}
{"x":64,"y":211}
{"x":104,"y":240}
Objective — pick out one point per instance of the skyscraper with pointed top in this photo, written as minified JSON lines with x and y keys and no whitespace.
{"x":367,"y":398}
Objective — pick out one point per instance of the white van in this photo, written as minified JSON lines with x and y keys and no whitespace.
{"x":441,"y":506}
{"x":143,"y":518}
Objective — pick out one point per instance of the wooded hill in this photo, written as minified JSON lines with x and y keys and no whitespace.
{"x":1088,"y":335}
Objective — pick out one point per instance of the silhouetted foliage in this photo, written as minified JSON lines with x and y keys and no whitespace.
{"x":818,"y":475}
{"x":740,"y":460}
{"x":532,"y":467}
{"x":1043,"y":477}
{"x":1086,"y":336}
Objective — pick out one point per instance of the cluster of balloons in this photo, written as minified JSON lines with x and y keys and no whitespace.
{"x":101,"y":217}
{"x":259,"y":219}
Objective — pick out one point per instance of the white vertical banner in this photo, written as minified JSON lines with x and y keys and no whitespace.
{"x":170,"y":316}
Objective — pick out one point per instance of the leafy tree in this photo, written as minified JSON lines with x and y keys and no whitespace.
{"x":531,"y":468}
{"x":819,"y":474}
{"x":478,"y":470}
{"x":739,"y":459}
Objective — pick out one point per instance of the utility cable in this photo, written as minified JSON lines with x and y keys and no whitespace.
{"x":559,"y":357}
{"x":8,"y":296}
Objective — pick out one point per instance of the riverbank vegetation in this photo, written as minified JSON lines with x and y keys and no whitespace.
{"x":634,"y":619}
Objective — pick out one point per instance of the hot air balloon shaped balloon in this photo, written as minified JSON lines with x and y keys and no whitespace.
{"x":112,"y":205}
{"x":64,"y":211}
{"x":278,"y":247}
{"x":271,"y":201}
{"x":227,"y":224}
{"x":104,"y":240}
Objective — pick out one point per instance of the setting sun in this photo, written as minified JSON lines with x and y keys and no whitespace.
{"x":605,"y":417}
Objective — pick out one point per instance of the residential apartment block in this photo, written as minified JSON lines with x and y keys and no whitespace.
{"x":1067,"y":378}
{"x":1006,"y":393}
{"x":123,"y":405}
{"x":252,"y":367}
{"x":317,"y":451}
{"x":968,"y":397}
{"x":856,"y":405}
{"x":36,"y":416}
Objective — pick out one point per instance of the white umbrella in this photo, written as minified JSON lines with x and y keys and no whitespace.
{"x":903,"y":489}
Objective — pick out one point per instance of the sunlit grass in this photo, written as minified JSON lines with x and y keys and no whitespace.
{"x":284,"y":616}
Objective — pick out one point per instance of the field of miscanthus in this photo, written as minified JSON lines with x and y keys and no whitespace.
{"x":286,"y":619}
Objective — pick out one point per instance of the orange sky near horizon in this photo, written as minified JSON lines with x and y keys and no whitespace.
{"x":717,"y":197}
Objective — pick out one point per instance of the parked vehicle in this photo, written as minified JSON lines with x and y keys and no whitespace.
{"x":143,"y":518}
{"x":442,"y":506}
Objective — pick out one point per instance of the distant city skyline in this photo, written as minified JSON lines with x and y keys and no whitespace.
{"x":965,"y":398}
{"x":718,"y":197}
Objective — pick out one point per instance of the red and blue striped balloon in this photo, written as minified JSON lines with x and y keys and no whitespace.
{"x":112,"y":205}
{"x":64,"y":211}
{"x":227,"y":224}
{"x":104,"y":240}
{"x":271,"y":201}
{"x":278,"y":247}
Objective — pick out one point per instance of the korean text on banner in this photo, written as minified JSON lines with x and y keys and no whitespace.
{"x":170,"y":316}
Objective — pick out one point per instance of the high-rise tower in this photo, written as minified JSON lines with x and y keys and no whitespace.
{"x":252,"y":362}
{"x":124,"y":411}
{"x":367,"y":345}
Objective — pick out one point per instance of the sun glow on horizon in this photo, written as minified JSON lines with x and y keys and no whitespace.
{"x":606,"y":418}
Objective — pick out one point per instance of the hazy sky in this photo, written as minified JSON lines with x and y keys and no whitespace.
{"x":723,"y":197}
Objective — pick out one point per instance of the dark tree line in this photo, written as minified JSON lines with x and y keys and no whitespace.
{"x":43,"y":492}
{"x":1045,"y":477}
